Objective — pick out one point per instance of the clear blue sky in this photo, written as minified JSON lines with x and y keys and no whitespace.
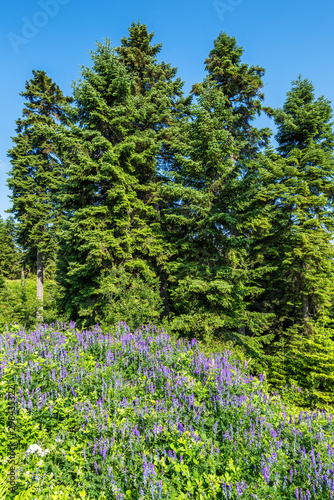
{"x":286,"y":37}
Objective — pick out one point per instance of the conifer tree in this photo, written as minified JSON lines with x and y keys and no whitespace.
{"x":155,"y":87}
{"x":300,"y":187}
{"x":35,"y":172}
{"x":241,"y":85}
{"x":213,"y":167}
{"x":10,"y":256}
{"x":112,"y":236}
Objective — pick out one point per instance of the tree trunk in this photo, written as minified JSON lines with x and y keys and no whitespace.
{"x":40,"y":284}
{"x":305,"y":300}
{"x":164,"y":292}
{"x":305,"y":307}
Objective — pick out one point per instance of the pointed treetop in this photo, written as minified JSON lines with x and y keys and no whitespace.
{"x":43,"y":96}
{"x":238,"y":81}
{"x":138,"y":41}
{"x":139,"y":56}
{"x":240,"y":89}
{"x":228,"y":52}
{"x":304,"y":119}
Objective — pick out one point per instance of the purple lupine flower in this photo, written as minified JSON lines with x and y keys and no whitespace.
{"x":146,"y":473}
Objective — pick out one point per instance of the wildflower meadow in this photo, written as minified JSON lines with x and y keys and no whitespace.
{"x":142,"y":415}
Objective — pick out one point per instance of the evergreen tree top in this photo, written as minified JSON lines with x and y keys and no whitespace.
{"x":140,"y":39}
{"x":239,"y":87}
{"x":43,"y":99}
{"x":139,"y":55}
{"x":304,"y":120}
{"x":238,"y":81}
{"x":35,"y":172}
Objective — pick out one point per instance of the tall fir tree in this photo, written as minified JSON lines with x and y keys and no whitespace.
{"x":35,"y":173}
{"x":158,"y":98}
{"x":112,"y":243}
{"x":213,"y":166}
{"x":298,"y":187}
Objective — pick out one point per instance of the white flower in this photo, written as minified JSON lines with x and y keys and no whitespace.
{"x":32,"y":448}
{"x":36,"y":447}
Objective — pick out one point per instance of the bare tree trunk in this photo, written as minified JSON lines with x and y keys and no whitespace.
{"x":40,"y":284}
{"x":305,"y":302}
{"x":163,"y":291}
{"x":305,"y":307}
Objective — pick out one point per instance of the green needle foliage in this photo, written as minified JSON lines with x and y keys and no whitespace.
{"x":298,"y":187}
{"x":213,"y":173}
{"x":307,"y":362}
{"x":306,"y":142}
{"x":35,"y":173}
{"x":112,"y":235}
{"x":10,"y":256}
{"x":298,"y":182}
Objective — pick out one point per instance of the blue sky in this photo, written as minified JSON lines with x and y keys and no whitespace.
{"x":286,"y":38}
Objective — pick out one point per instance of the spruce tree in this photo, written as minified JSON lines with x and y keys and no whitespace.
{"x":213,"y":166}
{"x":155,"y":87}
{"x":299,"y":185}
{"x":298,"y":188}
{"x":306,"y":140}
{"x":112,"y":242}
{"x":35,"y":172}
{"x":10,"y":255}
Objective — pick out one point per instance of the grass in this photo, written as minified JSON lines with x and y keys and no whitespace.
{"x":143,"y":415}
